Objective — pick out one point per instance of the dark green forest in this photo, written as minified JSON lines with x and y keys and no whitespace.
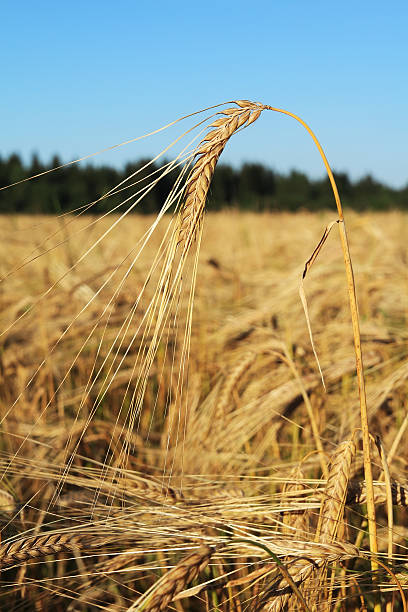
{"x":252,"y":187}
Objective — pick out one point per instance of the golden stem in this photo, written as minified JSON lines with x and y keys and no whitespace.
{"x":372,"y":528}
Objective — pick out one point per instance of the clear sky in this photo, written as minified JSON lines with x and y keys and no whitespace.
{"x":77,"y":76}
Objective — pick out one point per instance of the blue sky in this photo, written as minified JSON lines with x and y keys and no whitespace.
{"x":81,"y":75}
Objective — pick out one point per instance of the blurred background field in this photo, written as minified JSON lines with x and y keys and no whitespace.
{"x":246,"y":296}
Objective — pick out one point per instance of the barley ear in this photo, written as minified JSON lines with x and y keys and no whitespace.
{"x":26,"y":549}
{"x":174,"y":581}
{"x":207,"y":156}
{"x":335,"y":491}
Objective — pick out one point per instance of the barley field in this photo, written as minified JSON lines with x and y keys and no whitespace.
{"x":195,"y":412}
{"x":223,"y":476}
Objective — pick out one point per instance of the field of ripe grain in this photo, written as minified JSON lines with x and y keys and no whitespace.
{"x":156,"y":455}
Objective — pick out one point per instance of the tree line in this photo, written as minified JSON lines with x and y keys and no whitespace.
{"x":253,"y":186}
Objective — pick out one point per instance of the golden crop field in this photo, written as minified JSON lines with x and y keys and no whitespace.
{"x":156,"y":455}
